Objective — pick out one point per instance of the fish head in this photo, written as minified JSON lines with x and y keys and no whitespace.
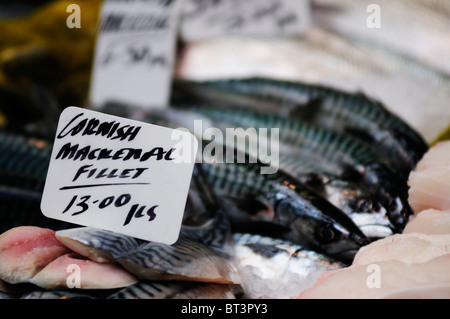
{"x":365,"y":210}
{"x":317,"y":224}
{"x":339,"y":242}
{"x":392,"y":192}
{"x":411,"y":141}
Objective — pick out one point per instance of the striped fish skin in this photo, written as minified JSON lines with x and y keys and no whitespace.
{"x":352,"y":113}
{"x":97,"y":244}
{"x":308,"y":218}
{"x":24,"y":160}
{"x":4,"y":295}
{"x":23,"y":169}
{"x":345,"y":195}
{"x":57,"y":294}
{"x":174,"y":290}
{"x":205,"y":219}
{"x":326,"y":151}
{"x":273,"y":268}
{"x":186,"y":259}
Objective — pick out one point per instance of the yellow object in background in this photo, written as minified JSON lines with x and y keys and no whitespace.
{"x":42,"y":49}
{"x":444,"y":136}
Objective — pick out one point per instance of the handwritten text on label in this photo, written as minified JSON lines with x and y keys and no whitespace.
{"x":117,"y":174}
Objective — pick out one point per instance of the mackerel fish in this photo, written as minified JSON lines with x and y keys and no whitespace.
{"x":144,"y":290}
{"x":350,"y":113}
{"x":298,"y":213}
{"x":365,"y":210}
{"x":23,"y":168}
{"x":329,"y":153}
{"x":185,"y":260}
{"x":176,"y":290}
{"x":203,"y":251}
{"x":286,"y":208}
{"x":273,"y":268}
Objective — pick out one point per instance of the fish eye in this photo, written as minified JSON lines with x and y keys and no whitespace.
{"x":363,"y":205}
{"x":326,"y":234}
{"x":393,"y":206}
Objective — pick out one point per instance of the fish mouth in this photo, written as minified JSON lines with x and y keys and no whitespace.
{"x":346,"y":256}
{"x":346,"y":249}
{"x":399,"y":217}
{"x":376,"y":231}
{"x":374,"y":224}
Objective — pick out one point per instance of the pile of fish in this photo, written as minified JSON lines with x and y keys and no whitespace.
{"x":344,"y":174}
{"x":335,"y":189}
{"x":413,"y":264}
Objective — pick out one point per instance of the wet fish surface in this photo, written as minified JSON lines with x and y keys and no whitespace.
{"x":150,"y":260}
{"x":352,"y":113}
{"x":323,"y":155}
{"x":273,"y":268}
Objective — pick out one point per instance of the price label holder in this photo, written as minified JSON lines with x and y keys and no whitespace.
{"x":135,"y":53}
{"x":203,"y":19}
{"x":119,"y":174}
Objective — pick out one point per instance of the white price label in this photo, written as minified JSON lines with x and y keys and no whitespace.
{"x":208,"y":18}
{"x":119,"y":174}
{"x":135,"y":52}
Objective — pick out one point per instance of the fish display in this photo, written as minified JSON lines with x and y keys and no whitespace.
{"x":281,"y":203}
{"x":415,"y":261}
{"x":300,"y":214}
{"x":355,"y":114}
{"x":344,"y":177}
{"x":324,"y":155}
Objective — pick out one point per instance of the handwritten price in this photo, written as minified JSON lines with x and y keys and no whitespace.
{"x":136,"y":211}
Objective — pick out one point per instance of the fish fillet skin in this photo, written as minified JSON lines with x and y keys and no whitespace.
{"x":429,"y":182}
{"x":360,"y":282}
{"x":25,"y":250}
{"x":93,"y":254}
{"x":184,"y":260}
{"x":408,"y":248}
{"x":438,"y":155}
{"x":430,"y":189}
{"x":430,"y":221}
{"x":63,"y":271}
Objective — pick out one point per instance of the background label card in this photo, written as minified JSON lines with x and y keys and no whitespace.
{"x":119,"y":174}
{"x":208,"y":18}
{"x":135,"y":52}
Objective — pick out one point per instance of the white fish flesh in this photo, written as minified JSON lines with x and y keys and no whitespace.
{"x":395,"y":278}
{"x":404,"y":26}
{"x":93,"y":275}
{"x":430,"y":182}
{"x":430,"y":221}
{"x":408,"y":248}
{"x":26,"y":250}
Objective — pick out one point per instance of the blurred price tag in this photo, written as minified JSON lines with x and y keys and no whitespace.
{"x":208,"y":18}
{"x":135,"y":52}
